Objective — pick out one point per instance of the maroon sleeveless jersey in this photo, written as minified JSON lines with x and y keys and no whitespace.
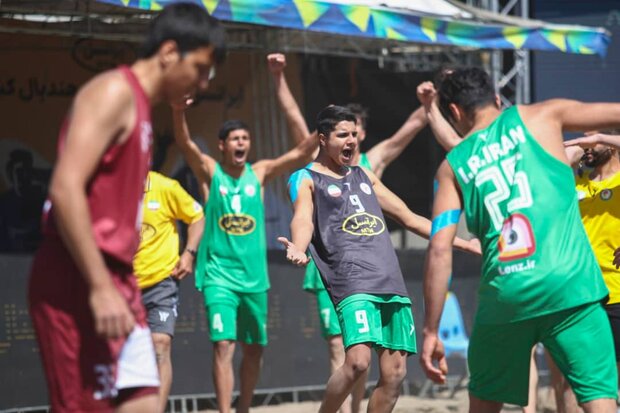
{"x":116,"y":189}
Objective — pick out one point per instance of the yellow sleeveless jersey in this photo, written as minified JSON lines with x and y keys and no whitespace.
{"x":599,"y":203}
{"x":165,"y":202}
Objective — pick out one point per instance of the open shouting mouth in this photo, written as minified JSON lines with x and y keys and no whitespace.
{"x":239,"y":155}
{"x":347,"y":155}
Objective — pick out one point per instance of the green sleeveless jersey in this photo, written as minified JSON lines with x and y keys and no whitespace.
{"x":312,"y":279}
{"x":233,"y":250}
{"x":521,"y":204}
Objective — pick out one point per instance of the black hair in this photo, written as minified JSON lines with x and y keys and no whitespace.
{"x":329,"y":117}
{"x":229,"y":126}
{"x":359,"y":111}
{"x":190,"y":26}
{"x":470,"y":88}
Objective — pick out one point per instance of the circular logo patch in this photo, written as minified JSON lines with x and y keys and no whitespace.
{"x":237,"y":224}
{"x":223,"y":190}
{"x":365,"y":188}
{"x":606,"y":194}
{"x":334,"y":191}
{"x":249,"y":190}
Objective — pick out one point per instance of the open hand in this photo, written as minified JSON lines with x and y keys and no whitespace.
{"x":293,"y":254}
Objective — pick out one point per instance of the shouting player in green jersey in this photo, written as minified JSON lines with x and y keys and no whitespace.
{"x":231,"y":264}
{"x":540,"y":280}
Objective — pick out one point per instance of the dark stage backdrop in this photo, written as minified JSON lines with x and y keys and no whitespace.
{"x":296,"y":354}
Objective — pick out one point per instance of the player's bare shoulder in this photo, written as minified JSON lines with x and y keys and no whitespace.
{"x":109,"y":99}
{"x":371,"y":175}
{"x":111,"y":84}
{"x":543,"y":120}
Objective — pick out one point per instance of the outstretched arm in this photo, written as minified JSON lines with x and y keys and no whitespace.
{"x":294,"y":117}
{"x":296,"y":158}
{"x":592,"y":140}
{"x":201,"y":164}
{"x":575,"y":116}
{"x":547,"y":120}
{"x":301,"y":224}
{"x":437,"y":271}
{"x":445,"y":134}
{"x":383,"y":154}
{"x":396,"y":209}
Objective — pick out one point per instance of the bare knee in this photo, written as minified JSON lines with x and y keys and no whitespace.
{"x":223,"y":350}
{"x":252,"y":351}
{"x":358,"y":361}
{"x":162,"y":344}
{"x":394,"y":373}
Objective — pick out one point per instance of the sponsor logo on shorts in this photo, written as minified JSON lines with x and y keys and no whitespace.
{"x":363,"y":224}
{"x":412,"y":330}
{"x":105,"y":380}
{"x":147,"y":231}
{"x":365,"y":188}
{"x":237,"y":224}
{"x":197,"y":207}
{"x":163,"y":316}
{"x":334,"y":191}
{"x":516,"y":240}
{"x":606,"y":194}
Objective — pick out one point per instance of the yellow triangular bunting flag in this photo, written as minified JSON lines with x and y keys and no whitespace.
{"x":358,"y":15}
{"x":210,"y":5}
{"x":310,"y":11}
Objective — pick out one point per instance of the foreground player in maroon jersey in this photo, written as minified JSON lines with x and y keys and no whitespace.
{"x":86,"y":308}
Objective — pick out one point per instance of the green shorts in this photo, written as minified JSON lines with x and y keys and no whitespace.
{"x":385,"y":321}
{"x":327,"y":314}
{"x":236,"y":316}
{"x":578,"y":339}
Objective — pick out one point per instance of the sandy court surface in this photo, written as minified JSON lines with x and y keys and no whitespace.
{"x":411,"y":404}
